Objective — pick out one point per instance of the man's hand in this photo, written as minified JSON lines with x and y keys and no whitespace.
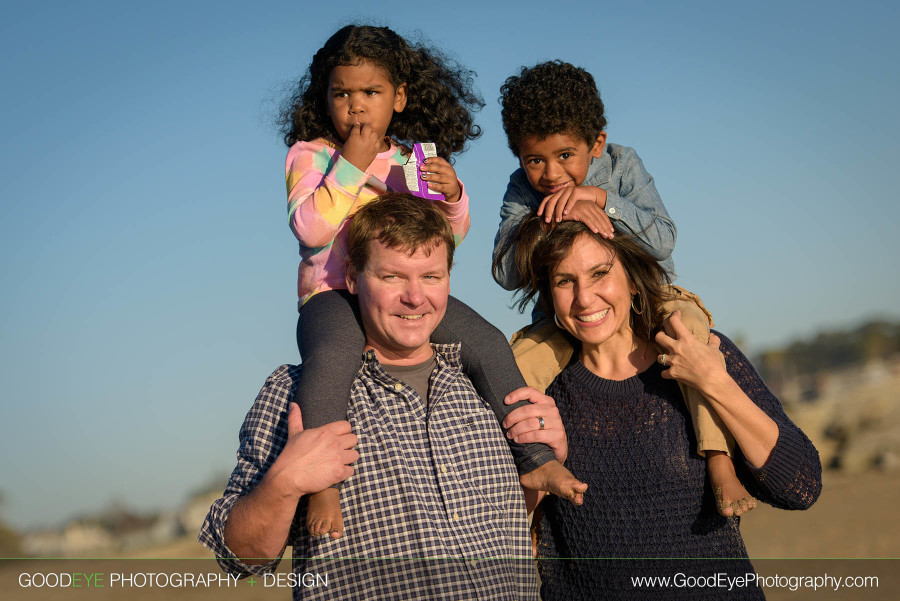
{"x":578,"y":203}
{"x":441,"y":177}
{"x":313,"y":460}
{"x":524,"y":423}
{"x":362,"y":145}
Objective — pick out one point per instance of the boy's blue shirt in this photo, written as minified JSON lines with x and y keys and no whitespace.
{"x":632,"y":204}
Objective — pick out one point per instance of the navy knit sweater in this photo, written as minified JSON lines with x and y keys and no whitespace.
{"x":632,"y":441}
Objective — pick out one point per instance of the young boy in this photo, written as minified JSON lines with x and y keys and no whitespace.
{"x":553,"y":118}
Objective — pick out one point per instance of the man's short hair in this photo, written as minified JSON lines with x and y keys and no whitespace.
{"x":399,"y":221}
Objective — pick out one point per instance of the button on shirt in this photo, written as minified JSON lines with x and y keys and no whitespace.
{"x":434,"y":488}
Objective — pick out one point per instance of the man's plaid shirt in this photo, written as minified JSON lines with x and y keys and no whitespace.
{"x":433,"y":510}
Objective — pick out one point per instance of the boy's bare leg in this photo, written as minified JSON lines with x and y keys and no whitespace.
{"x":732,"y":499}
{"x":553,"y":477}
{"x":324,"y":514}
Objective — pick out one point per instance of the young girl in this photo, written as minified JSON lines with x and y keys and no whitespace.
{"x":366,"y":94}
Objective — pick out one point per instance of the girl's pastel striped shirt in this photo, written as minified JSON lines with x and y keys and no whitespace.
{"x":324,"y":191}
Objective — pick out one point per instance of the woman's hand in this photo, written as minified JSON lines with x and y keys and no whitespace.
{"x":689,"y":360}
{"x":441,"y":177}
{"x":524,"y":423}
{"x":701,"y":366}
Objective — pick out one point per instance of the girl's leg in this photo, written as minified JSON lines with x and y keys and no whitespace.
{"x":488,"y":361}
{"x":331,"y":341}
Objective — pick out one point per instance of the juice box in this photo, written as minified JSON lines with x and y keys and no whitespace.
{"x":414,"y":183}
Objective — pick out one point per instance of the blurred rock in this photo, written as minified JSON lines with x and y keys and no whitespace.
{"x":855,"y":423}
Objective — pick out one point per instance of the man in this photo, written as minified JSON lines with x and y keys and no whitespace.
{"x":433,"y":508}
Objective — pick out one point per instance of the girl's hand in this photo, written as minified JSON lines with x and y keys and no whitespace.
{"x":362,"y":145}
{"x":688,"y":360}
{"x":441,"y":177}
{"x":578,"y":203}
{"x":524,"y":423}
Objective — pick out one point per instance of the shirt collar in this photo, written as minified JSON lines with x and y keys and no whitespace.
{"x":446,"y":355}
{"x":599,"y":171}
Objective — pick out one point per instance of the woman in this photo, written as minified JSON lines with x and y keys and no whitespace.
{"x":630,"y":436}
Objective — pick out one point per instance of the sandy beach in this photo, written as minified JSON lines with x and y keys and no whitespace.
{"x":855,"y":519}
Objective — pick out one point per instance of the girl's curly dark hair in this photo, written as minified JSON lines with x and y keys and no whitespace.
{"x":441,"y":96}
{"x":551,"y":98}
{"x":537,"y":252}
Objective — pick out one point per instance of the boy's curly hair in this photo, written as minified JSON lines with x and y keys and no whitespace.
{"x":441,"y":96}
{"x":551,"y":98}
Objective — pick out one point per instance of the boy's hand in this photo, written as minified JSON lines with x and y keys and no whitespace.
{"x":441,"y":177}
{"x":592,"y":216}
{"x":579,"y":203}
{"x":362,"y":145}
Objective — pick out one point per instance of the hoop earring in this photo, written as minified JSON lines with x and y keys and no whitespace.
{"x":556,"y":320}
{"x":633,"y":308}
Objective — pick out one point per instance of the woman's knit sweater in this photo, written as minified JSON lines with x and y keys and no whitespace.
{"x":633,"y":443}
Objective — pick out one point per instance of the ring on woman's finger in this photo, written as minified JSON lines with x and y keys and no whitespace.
{"x":541,"y":422}
{"x":662,"y":359}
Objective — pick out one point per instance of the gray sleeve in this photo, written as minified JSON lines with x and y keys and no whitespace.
{"x":518,"y":201}
{"x":637,"y":208}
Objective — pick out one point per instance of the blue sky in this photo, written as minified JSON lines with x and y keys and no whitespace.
{"x":148,"y":272}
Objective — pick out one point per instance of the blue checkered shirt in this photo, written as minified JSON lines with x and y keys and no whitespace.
{"x":433,"y":510}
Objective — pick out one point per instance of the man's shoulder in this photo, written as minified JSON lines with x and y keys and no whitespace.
{"x":277,"y":392}
{"x":450,"y":372}
{"x":450,"y":352}
{"x":285,"y":375}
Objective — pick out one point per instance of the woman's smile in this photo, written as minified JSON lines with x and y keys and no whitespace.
{"x":592,"y":318}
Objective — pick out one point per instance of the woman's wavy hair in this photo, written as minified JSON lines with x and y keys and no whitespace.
{"x":441,"y":95}
{"x":537,"y":251}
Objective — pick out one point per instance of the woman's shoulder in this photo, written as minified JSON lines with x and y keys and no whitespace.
{"x":739,"y":365}
{"x":726,"y":342}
